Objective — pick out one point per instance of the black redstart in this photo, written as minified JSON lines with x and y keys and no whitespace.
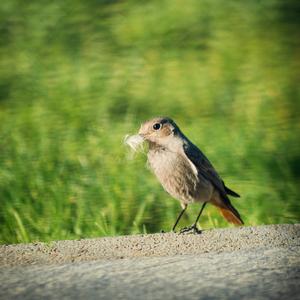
{"x":183,"y":170}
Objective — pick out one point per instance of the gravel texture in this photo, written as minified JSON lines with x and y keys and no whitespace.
{"x":150,"y":245}
{"x":241,"y":263}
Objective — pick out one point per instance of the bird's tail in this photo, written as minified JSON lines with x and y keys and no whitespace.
{"x":228,"y":211}
{"x":231,"y":215}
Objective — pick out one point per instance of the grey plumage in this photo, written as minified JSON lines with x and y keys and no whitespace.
{"x":183,"y":170}
{"x":178,"y":175}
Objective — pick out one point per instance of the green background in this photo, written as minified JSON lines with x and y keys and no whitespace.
{"x":77,"y":76}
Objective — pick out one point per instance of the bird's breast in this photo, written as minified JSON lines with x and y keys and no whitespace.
{"x":176,"y":174}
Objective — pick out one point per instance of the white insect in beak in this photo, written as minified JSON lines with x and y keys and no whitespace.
{"x":135,"y":142}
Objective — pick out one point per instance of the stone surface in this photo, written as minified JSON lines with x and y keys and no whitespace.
{"x":151,"y":245}
{"x":243,"y":263}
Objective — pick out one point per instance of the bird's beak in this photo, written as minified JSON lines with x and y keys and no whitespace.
{"x":142,"y":136}
{"x":141,"y":133}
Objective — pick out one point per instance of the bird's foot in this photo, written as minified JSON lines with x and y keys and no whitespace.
{"x":190,"y":229}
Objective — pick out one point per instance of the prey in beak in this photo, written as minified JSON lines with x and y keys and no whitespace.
{"x":135,"y":142}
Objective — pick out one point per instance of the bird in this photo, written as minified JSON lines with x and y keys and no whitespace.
{"x":185,"y":172}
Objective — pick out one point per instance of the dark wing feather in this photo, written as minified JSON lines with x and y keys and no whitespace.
{"x":204,"y":167}
{"x":231,"y":192}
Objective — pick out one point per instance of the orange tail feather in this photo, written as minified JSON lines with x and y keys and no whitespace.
{"x":231,"y":216}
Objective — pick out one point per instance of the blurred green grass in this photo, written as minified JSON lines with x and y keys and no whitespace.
{"x":76,"y":76}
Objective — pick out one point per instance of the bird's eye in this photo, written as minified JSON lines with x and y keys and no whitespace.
{"x":156,"y":126}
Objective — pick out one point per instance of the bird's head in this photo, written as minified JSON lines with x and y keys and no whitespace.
{"x":161,"y":131}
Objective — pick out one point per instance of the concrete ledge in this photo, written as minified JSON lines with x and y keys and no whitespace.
{"x":240,"y":263}
{"x":151,"y":245}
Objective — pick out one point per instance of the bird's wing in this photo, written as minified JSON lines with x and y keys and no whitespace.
{"x":204,"y":167}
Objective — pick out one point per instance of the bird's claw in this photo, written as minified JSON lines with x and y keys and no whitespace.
{"x":191,"y":229}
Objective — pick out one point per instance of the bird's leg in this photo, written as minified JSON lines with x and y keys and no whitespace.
{"x":184,"y":207}
{"x":200,"y":212}
{"x":193,"y":228}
